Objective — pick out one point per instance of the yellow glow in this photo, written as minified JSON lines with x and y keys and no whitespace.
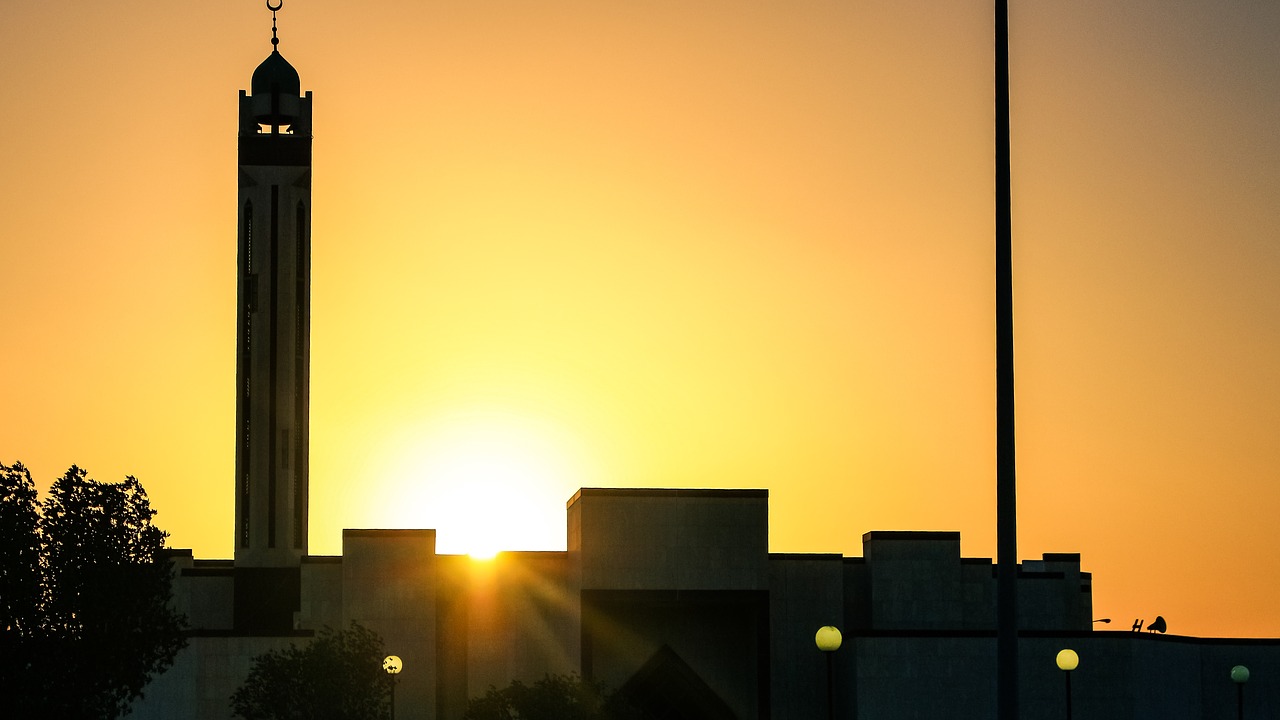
{"x":718,"y":244}
{"x":828,"y":638}
{"x":1067,"y":660}
{"x":486,"y":479}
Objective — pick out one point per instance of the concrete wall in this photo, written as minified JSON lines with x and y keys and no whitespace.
{"x":1121,"y":676}
{"x":521,"y":620}
{"x":1053,"y":594}
{"x":676,"y":587}
{"x":389,"y":586}
{"x":202,"y":679}
{"x":919,"y":581}
{"x":671,"y":539}
{"x":679,"y":572}
{"x":321,"y":596}
{"x":915,"y":580}
{"x":720,"y":636}
{"x":917,"y":677}
{"x":806,"y":592}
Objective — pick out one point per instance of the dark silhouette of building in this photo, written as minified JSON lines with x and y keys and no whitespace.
{"x":272,"y":345}
{"x":671,"y":596}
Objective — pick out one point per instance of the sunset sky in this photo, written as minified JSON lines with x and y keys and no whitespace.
{"x":722,"y":243}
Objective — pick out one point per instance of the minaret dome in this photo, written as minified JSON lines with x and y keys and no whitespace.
{"x":275,"y":86}
{"x":275,"y":74}
{"x":275,"y":89}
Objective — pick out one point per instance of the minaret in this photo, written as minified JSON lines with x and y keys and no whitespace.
{"x":273,"y":318}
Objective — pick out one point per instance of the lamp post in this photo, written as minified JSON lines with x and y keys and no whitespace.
{"x":1067,"y":661}
{"x":828,"y":640}
{"x":392,"y":665}
{"x":1240,"y":676}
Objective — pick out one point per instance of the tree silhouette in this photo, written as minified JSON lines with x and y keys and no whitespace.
{"x":336,"y":676}
{"x":554,"y":697}
{"x":19,"y":557}
{"x":86,"y":593}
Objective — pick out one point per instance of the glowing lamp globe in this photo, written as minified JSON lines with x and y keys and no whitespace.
{"x":828,"y":638}
{"x":1068,"y":660}
{"x":1240,"y":674}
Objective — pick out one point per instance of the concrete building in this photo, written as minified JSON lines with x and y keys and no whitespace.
{"x":670,"y":596}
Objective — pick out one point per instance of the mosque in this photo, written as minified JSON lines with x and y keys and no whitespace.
{"x":669,"y":596}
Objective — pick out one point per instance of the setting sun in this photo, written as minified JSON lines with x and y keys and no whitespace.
{"x":486,"y":479}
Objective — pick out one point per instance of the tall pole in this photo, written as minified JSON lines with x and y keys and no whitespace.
{"x":392,"y":665}
{"x":828,"y":640}
{"x":1068,"y":674}
{"x":1240,"y":676}
{"x":1006,"y":466}
{"x":831,"y":693}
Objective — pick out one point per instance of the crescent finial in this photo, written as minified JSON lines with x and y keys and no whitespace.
{"x":275,"y":41}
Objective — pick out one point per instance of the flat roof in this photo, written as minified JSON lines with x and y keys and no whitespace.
{"x":667,"y":493}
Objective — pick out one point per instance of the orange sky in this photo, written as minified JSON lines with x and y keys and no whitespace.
{"x":714,"y":244}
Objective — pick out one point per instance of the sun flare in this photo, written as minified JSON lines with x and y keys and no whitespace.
{"x":486,"y":480}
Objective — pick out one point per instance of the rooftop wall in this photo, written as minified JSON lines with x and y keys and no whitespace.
{"x":389,"y":586}
{"x":626,"y":539}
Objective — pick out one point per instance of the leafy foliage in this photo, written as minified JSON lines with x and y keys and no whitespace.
{"x":336,"y":676}
{"x":86,"y":592}
{"x":19,"y":554}
{"x":554,"y":697}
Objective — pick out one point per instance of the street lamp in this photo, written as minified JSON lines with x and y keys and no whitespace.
{"x":1067,"y":661}
{"x":392,"y":665}
{"x":1240,"y":676}
{"x":828,"y":640}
